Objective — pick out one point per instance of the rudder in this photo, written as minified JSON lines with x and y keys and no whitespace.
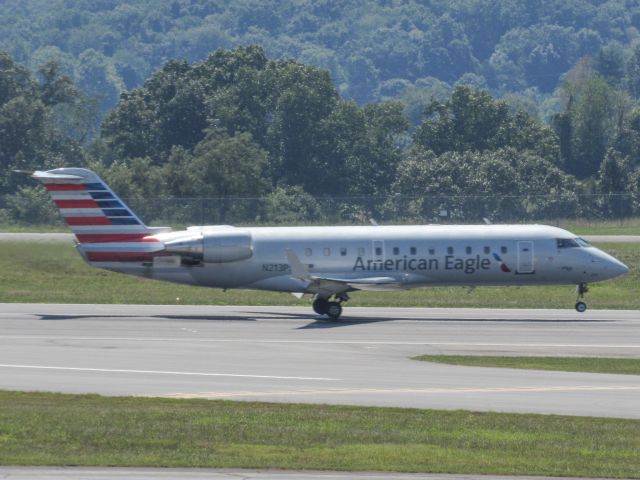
{"x":105,"y":227}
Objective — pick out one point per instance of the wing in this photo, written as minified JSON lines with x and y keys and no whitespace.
{"x":331,"y":285}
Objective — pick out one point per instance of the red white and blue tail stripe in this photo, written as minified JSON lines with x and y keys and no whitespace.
{"x":106,"y":229}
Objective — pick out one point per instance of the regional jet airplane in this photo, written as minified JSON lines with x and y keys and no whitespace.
{"x":326,"y":262}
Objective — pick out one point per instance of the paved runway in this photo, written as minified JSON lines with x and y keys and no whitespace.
{"x":286,"y":354}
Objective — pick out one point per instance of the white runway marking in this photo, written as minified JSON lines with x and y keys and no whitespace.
{"x":158,"y":372}
{"x":317,"y":342}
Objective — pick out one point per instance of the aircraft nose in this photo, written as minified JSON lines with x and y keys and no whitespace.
{"x":618,"y":267}
{"x":612,"y":266}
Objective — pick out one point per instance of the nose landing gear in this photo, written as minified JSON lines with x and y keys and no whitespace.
{"x":332,"y":309}
{"x":581,"y":289}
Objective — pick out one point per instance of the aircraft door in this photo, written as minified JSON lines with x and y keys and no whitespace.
{"x":377,"y":251}
{"x":525,"y":257}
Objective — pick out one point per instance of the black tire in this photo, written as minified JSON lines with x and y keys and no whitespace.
{"x":581,"y":307}
{"x":334,"y":310}
{"x":320,"y":306}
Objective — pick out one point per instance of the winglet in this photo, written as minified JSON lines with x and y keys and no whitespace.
{"x":298,"y":269}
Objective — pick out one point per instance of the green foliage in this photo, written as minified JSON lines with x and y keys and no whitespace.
{"x":614,"y":177}
{"x":290,"y":110}
{"x":291,"y":205}
{"x":31,"y":205}
{"x":240,"y":124}
{"x":503,"y":185}
{"x":596,"y":117}
{"x":221,"y":166}
{"x":371,"y":48}
{"x":472,"y":120}
{"x":30,"y":133}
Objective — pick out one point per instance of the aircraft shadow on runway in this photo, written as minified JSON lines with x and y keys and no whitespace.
{"x":316,"y":323}
{"x":322,"y":322}
{"x":224,"y":318}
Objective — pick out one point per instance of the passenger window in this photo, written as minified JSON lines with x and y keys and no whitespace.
{"x":378,"y":251}
{"x":432,"y":251}
{"x":308,"y":252}
{"x":487,"y":250}
{"x":327,"y":252}
{"x":413,"y":251}
{"x":450,"y":250}
{"x":468,"y":250}
{"x":343,"y":252}
{"x":361,"y":252}
{"x":396,"y":251}
{"x":503,"y":249}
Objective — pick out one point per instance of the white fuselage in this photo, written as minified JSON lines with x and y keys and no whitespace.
{"x":413,"y":256}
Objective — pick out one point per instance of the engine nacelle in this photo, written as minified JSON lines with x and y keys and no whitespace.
{"x":213,"y":247}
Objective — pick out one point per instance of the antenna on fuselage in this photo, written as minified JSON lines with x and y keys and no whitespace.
{"x":373,"y":222}
{"x":487,"y":221}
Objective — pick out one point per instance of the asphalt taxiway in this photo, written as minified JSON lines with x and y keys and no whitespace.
{"x":286,"y":354}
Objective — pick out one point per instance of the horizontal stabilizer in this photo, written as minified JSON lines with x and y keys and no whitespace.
{"x":52,"y":177}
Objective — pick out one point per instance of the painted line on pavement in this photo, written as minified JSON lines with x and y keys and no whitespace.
{"x":159,"y":372}
{"x":351,"y":391}
{"x":317,"y":342}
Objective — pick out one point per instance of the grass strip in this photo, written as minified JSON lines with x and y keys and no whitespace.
{"x":628,"y":226}
{"x":90,"y":430}
{"x":51,"y":272}
{"x":626,"y":366}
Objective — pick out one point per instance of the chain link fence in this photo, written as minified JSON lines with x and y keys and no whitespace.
{"x":389,"y":209}
{"x":394,"y":209}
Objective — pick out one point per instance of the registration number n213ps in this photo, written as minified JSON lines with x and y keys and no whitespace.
{"x":275,"y":267}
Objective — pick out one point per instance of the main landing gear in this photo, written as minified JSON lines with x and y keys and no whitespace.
{"x":581,"y":289}
{"x":332,"y":309}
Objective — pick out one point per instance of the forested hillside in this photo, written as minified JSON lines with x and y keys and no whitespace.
{"x":336,"y":111}
{"x":373,"y":49}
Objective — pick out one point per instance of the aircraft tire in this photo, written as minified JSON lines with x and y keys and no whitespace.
{"x":581,"y":307}
{"x":334,"y":310}
{"x":320,"y":306}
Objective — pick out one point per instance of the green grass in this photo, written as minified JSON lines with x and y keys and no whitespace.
{"x":89,"y":430}
{"x":629,"y":226}
{"x":54,"y":273}
{"x":627,"y":366}
{"x":15,"y":228}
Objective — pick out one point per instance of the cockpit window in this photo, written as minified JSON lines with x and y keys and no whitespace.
{"x":582,"y":242}
{"x":567,"y":243}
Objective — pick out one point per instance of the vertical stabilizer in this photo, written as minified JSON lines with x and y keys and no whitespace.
{"x":105,"y":227}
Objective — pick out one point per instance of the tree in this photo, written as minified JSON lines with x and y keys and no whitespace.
{"x":595,"y":111}
{"x":472,"y":120}
{"x":138,"y":182}
{"x":633,"y":72}
{"x":614,"y":179}
{"x":301,"y":98}
{"x":220,"y":167}
{"x":609,"y":63}
{"x":291,"y":205}
{"x":502,"y":184}
{"x":29,"y":138}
